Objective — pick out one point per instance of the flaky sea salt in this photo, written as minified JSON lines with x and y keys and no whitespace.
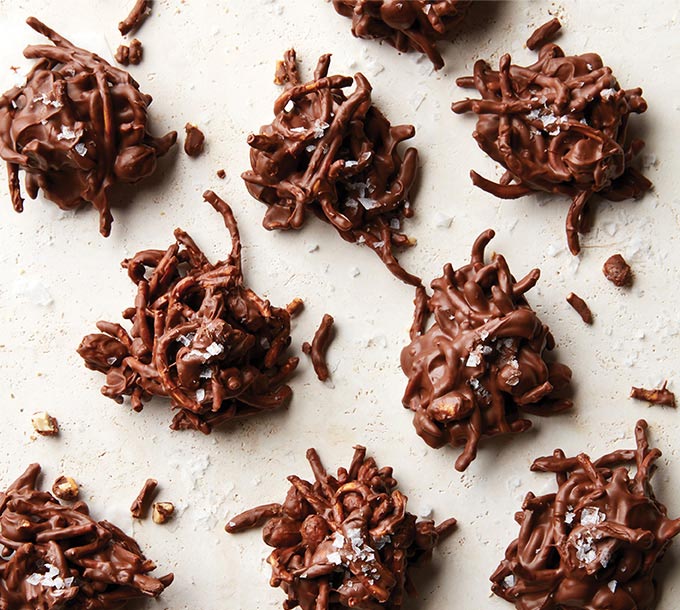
{"x":592,"y":516}
{"x":200,"y":394}
{"x":612,"y":585}
{"x":81,"y":149}
{"x":509,"y":581}
{"x":290,"y":104}
{"x":214,"y":349}
{"x":66,"y":133}
{"x":334,"y":558}
{"x":605,"y":94}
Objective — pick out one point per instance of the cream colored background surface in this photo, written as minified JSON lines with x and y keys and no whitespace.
{"x":212,"y":62}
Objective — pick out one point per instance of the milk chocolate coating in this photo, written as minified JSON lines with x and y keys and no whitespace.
{"x":596,"y":542}
{"x":199,"y":336}
{"x":415,"y":25}
{"x":126,"y":55}
{"x":194,"y":142}
{"x":138,"y":15}
{"x":344,"y":541}
{"x":658,"y":396}
{"x":77,"y":127}
{"x":557,"y":126}
{"x":335,"y":155}
{"x":54,"y":556}
{"x":319,"y":346}
{"x":617,"y":271}
{"x":481,"y":363}
{"x":581,"y":307}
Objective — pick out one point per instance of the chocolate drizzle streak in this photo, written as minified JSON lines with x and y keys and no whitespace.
{"x":557,"y":126}
{"x":335,"y":155}
{"x":416,"y":25}
{"x":593,"y":544}
{"x":77,"y":127}
{"x":345,"y":541}
{"x":56,"y":556}
{"x":198,"y":336}
{"x":481,"y":363}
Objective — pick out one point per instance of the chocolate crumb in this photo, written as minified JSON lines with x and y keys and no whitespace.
{"x":569,"y":105}
{"x":617,"y":271}
{"x":348,"y":540}
{"x":221,"y":174}
{"x":319,"y":346}
{"x":44,"y":424}
{"x":295,"y":307}
{"x":65,"y":488}
{"x":57,"y":556}
{"x":581,"y":307}
{"x":140,"y":11}
{"x":141,"y":503}
{"x":162,"y":512}
{"x":596,"y":541}
{"x":77,"y":128}
{"x":122,"y":55}
{"x":136,"y":51}
{"x":659,"y":396}
{"x":195,"y":140}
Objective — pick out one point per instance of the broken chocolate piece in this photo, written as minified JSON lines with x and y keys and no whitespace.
{"x":659,"y":396}
{"x":557,"y":126}
{"x":132,"y":54}
{"x":596,"y":542}
{"x":44,"y":424}
{"x":416,"y":25}
{"x":221,"y":174}
{"x":57,"y":556}
{"x":141,"y":503}
{"x":198,"y":337}
{"x":162,"y":512}
{"x":344,"y":541}
{"x":481,"y":363}
{"x":617,"y":271}
{"x":195,"y":140}
{"x":317,"y":350}
{"x":77,"y":127}
{"x":335,"y":155}
{"x":65,"y":488}
{"x":140,"y":11}
{"x":581,"y":307}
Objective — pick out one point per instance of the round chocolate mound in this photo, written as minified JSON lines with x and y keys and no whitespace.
{"x":481,"y":363}
{"x":408,"y":26}
{"x":198,"y":337}
{"x":55,"y":556}
{"x":335,"y":155}
{"x":557,"y":126}
{"x":77,"y":127}
{"x":345,"y":541}
{"x":596,"y":542}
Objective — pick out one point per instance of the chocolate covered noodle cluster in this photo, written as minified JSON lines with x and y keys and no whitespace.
{"x":345,"y":541}
{"x":557,"y":126}
{"x":54,"y":556}
{"x":198,"y":336}
{"x":77,"y":127}
{"x":415,"y":25}
{"x":335,"y":155}
{"x":596,"y":542}
{"x":481,"y":364}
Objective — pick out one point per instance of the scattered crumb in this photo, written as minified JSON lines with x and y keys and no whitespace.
{"x":44,"y":424}
{"x":581,"y":307}
{"x":194,"y":141}
{"x":162,"y":512}
{"x":617,"y":271}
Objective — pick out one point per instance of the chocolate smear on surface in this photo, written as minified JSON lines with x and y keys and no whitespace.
{"x":77,"y":127}
{"x":345,"y":541}
{"x":56,"y":556}
{"x":336,"y":155}
{"x":557,"y":126}
{"x":199,"y":336}
{"x":617,"y":271}
{"x":416,"y":25}
{"x":481,"y":363}
{"x":658,"y":396}
{"x":319,"y":346}
{"x":581,"y":307}
{"x":138,"y":15}
{"x":596,"y":541}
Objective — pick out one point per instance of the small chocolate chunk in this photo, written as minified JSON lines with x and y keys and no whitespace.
{"x":221,"y":174}
{"x":122,"y":55}
{"x":136,"y":51}
{"x":581,"y":307}
{"x":295,"y":307}
{"x":44,"y":424}
{"x":335,"y":155}
{"x":345,"y":541}
{"x":141,"y":503}
{"x":162,"y":512}
{"x":57,"y":556}
{"x":140,"y":11}
{"x":317,"y":350}
{"x":415,"y":25}
{"x":195,"y":140}
{"x":617,"y":271}
{"x":199,"y":336}
{"x":481,"y":363}
{"x":596,"y":542}
{"x":659,"y":396}
{"x":77,"y":128}
{"x":557,"y":126}
{"x":543,"y":34}
{"x":65,"y":488}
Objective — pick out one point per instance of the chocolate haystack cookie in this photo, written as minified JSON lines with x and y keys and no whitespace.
{"x":198,"y":336}
{"x":481,"y":363}
{"x":345,"y":542}
{"x":335,"y":155}
{"x":55,"y":556}
{"x":557,"y":126}
{"x":415,"y":25}
{"x":595,"y":543}
{"x":77,"y":127}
